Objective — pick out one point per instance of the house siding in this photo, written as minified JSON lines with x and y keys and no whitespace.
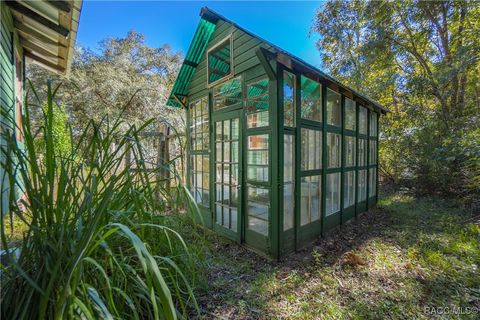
{"x":9,"y":49}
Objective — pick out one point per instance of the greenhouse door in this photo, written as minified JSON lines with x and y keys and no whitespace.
{"x":228,"y":180}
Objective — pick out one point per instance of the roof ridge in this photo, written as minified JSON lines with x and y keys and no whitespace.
{"x":209,"y":13}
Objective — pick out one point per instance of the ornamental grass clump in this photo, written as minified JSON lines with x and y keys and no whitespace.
{"x":95,"y":244}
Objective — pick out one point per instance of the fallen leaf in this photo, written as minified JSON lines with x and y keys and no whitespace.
{"x":353,"y":259}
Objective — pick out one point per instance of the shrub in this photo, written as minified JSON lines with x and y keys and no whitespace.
{"x":95,"y":247}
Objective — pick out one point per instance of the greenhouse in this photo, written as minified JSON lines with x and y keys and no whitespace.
{"x":279,"y":153}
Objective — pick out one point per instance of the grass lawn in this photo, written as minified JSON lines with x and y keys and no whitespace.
{"x":397,"y":260}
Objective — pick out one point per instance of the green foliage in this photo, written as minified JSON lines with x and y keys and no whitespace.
{"x":420,"y":59}
{"x":96,"y":244}
{"x":123,"y":69}
{"x":60,"y":130}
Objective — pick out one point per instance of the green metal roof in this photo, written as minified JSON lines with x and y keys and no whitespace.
{"x":197,"y":47}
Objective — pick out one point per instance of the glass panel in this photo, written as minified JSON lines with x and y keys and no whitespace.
{"x":311,"y":97}
{"x":226,"y":216}
{"x":259,"y":119}
{"x":200,"y":179}
{"x":219,"y":61}
{"x":257,"y":173}
{"x":258,"y":204}
{"x":234,"y":150}
{"x":218,"y":214}
{"x":288,"y":181}
{"x":349,"y":189}
{"x":257,"y":158}
{"x":362,"y":185}
{"x":310,"y":199}
{"x":226,"y":130}
{"x":333,"y":193}
{"x":226,"y":151}
{"x":218,"y":130}
{"x":350,"y":114}
{"x":227,"y":173}
{"x":373,"y":152}
{"x":334,"y":155}
{"x":334,"y":115}
{"x":289,"y":99}
{"x":350,"y":151}
{"x":235,"y":129}
{"x":258,"y":100}
{"x":233,"y":218}
{"x":218,"y":151}
{"x":199,"y":120}
{"x":311,"y":149}
{"x":372,"y":182}
{"x":362,"y":120}
{"x":227,"y":94}
{"x":373,"y":124}
{"x":234,"y":175}
{"x":206,"y":180}
{"x":362,"y":152}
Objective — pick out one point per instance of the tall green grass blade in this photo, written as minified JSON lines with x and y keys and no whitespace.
{"x":93,"y":245}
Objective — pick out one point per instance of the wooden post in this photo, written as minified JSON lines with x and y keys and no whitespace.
{"x":163,"y":156}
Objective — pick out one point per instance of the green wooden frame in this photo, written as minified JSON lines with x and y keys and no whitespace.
{"x":280,"y":241}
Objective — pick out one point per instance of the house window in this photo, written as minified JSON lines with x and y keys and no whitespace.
{"x":227,"y":94}
{"x":334,"y":115}
{"x":257,"y":104}
{"x":348,"y":189}
{"x":333,"y":193}
{"x":289,"y":99}
{"x":334,"y":150}
{"x":362,"y":120}
{"x":311,"y":98}
{"x":220,"y":61}
{"x":311,"y":149}
{"x":350,"y":114}
{"x":310,"y":199}
{"x":288,"y":181}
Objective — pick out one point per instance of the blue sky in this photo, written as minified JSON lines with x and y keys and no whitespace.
{"x":284,"y":23}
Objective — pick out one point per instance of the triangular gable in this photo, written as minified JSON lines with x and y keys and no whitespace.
{"x":205,"y":29}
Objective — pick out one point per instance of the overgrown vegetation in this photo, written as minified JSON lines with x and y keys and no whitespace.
{"x":395,"y":262}
{"x":97,"y":241}
{"x":122,"y":69}
{"x":421,"y":60}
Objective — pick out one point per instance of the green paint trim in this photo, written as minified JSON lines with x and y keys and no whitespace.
{"x":276,"y":210}
{"x":323,"y":210}
{"x":357,"y":120}
{"x":342,"y":148}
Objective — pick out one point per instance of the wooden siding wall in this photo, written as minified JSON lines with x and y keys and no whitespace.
{"x":8,"y":47}
{"x":244,"y":57}
{"x":7,"y":59}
